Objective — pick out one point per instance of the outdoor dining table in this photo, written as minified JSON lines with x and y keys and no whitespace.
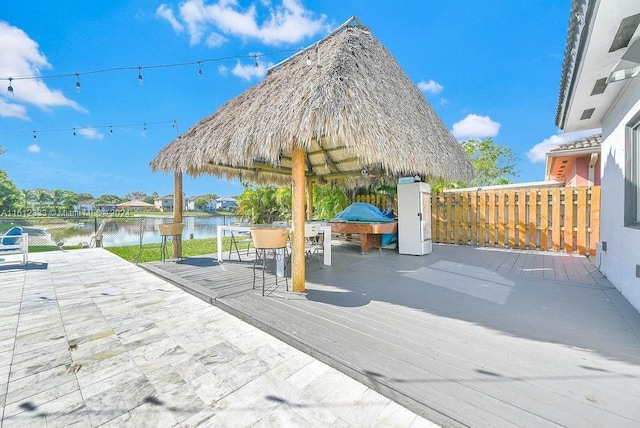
{"x":324,"y":229}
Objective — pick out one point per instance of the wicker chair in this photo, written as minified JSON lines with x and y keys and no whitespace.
{"x":267,"y":238}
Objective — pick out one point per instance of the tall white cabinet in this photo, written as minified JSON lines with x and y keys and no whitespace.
{"x":414,"y":218}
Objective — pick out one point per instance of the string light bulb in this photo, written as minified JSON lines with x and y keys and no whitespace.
{"x":34,"y":135}
{"x":74,"y":131}
{"x":77,"y":82}
{"x":140,"y":78}
{"x":111,"y":129}
{"x":255,"y":58}
{"x":199,"y":69}
{"x":10,"y":88}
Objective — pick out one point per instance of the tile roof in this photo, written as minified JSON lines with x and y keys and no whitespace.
{"x":594,"y":141}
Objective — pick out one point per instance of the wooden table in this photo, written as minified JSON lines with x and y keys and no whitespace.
{"x":370,"y":232}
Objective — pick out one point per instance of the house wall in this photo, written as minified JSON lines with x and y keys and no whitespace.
{"x":580,"y":172}
{"x":619,"y":261}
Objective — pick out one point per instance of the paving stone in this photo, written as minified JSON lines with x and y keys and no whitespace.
{"x":95,"y":341}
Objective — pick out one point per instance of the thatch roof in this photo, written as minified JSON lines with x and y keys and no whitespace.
{"x":135,"y":203}
{"x":345,"y":100}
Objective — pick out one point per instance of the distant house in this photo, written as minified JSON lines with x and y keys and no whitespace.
{"x":190,"y":203}
{"x":226,"y":203}
{"x":164,"y":204}
{"x":600,"y":88}
{"x":105,"y":208}
{"x":85,"y":206}
{"x":576,"y":163}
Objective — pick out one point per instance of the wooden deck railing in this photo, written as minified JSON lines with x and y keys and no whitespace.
{"x":547,"y":219}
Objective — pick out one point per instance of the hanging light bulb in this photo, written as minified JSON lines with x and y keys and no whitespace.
{"x":74,"y":131}
{"x":77,"y":82}
{"x":140,"y":78}
{"x":34,"y":135}
{"x":255,"y":58}
{"x":199,"y":68}
{"x":111,"y":129}
{"x":10,"y":88}
{"x":145,"y":127}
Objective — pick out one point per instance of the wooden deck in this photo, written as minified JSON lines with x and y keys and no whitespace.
{"x":463,"y":336}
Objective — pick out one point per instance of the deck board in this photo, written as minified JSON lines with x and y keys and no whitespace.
{"x":463,"y":336}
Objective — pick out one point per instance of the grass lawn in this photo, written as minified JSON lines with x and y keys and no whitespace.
{"x":151,"y":252}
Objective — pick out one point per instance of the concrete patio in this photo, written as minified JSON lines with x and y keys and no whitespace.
{"x":88,"y":339}
{"x":464,"y":336}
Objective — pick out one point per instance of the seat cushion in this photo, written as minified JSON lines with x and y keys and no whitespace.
{"x":10,"y":237}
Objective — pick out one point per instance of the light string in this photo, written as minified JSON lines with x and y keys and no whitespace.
{"x":139,"y":68}
{"x":75,"y":129}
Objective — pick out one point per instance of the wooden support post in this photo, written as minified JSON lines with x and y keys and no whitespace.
{"x":309,"y":200}
{"x":177,"y":213}
{"x":297,"y":248}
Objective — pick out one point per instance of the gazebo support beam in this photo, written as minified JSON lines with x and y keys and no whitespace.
{"x":297,"y":213}
{"x":177,"y":212}
{"x":309,"y":200}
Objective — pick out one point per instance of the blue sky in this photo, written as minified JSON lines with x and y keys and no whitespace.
{"x":489,"y":68}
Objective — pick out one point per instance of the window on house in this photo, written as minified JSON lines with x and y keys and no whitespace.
{"x":632,"y":174}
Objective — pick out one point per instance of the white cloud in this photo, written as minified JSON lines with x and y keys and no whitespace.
{"x":12,"y":110}
{"x":20,"y":56}
{"x":474,"y":126}
{"x":431,"y":86}
{"x":223,"y":70}
{"x":215,"y":39}
{"x":288,"y":22}
{"x":34,"y":148}
{"x":538,"y":153}
{"x":166,"y":12}
{"x":249,"y":71}
{"x":90,"y":133}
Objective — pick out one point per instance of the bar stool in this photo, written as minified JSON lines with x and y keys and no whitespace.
{"x":270,"y":238}
{"x":166,"y":230}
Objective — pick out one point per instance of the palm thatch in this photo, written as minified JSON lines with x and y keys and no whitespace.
{"x":345,"y":101}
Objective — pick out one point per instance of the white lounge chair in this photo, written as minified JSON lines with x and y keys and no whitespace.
{"x":15,"y":241}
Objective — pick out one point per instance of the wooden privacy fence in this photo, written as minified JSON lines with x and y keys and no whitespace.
{"x":547,"y":219}
{"x":527,"y":218}
{"x":379,"y":201}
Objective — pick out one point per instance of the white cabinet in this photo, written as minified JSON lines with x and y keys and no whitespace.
{"x":414,"y":218}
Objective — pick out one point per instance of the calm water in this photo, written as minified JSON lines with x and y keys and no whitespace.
{"x":128,"y":231}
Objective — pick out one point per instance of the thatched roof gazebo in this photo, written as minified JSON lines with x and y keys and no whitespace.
{"x":136,"y":204}
{"x":341,"y":109}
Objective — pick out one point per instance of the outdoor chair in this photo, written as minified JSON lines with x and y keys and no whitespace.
{"x":168,"y":230}
{"x":313,"y":241}
{"x":239,"y":238}
{"x":270,"y":239}
{"x":15,"y":241}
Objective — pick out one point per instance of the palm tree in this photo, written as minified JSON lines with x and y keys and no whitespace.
{"x":42,"y":196}
{"x":70,"y":200}
{"x":26,"y":195}
{"x":264,"y":204}
{"x":57,"y":197}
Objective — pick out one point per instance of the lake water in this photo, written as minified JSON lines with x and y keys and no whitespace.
{"x":128,"y":231}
